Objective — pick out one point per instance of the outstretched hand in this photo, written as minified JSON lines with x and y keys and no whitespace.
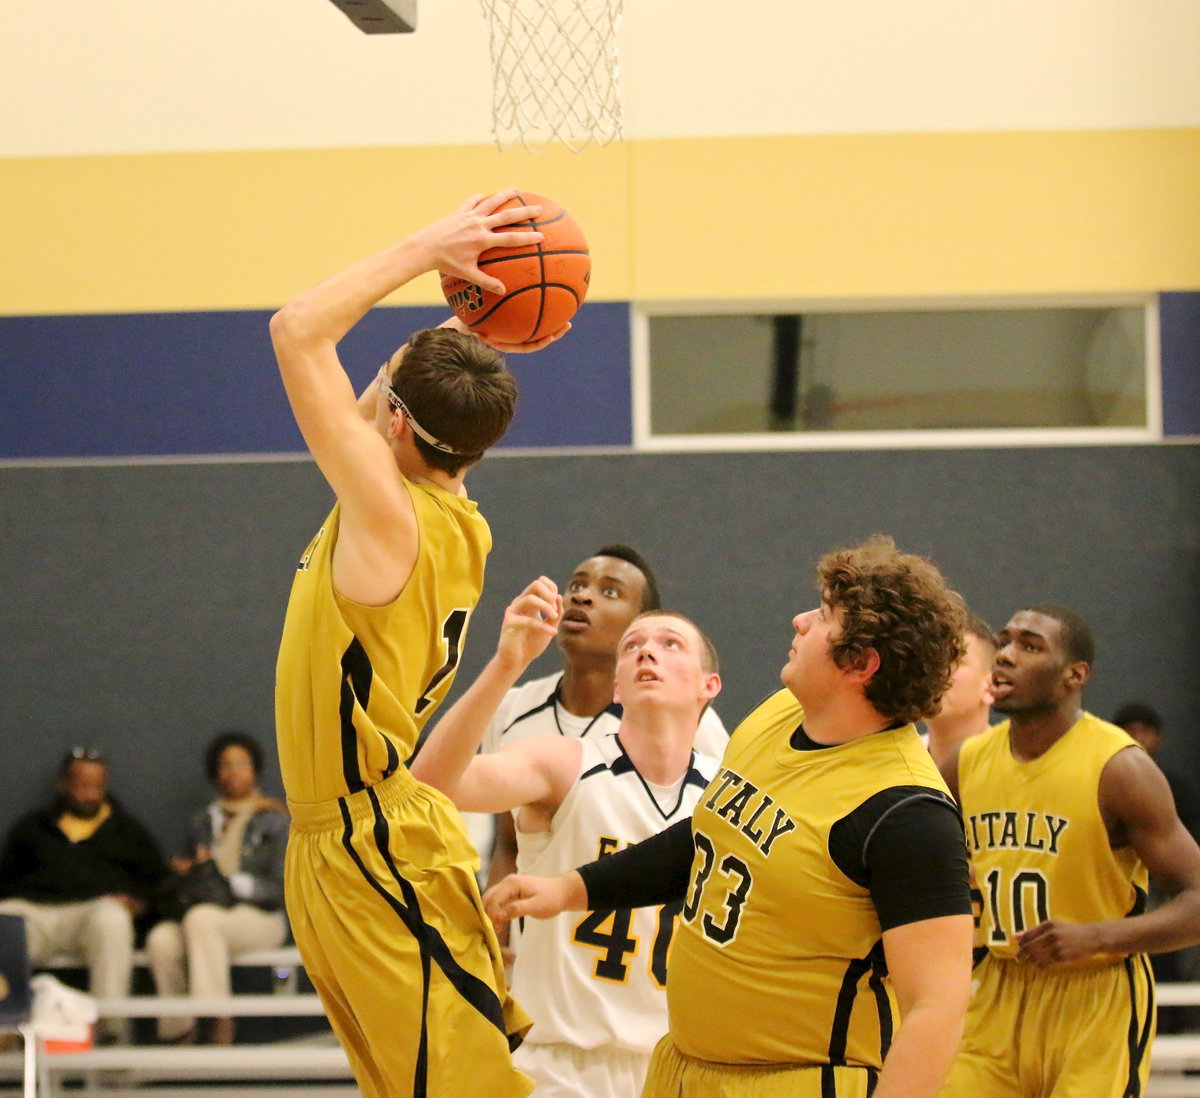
{"x":530,"y":623}
{"x":518,"y":896}
{"x":453,"y":243}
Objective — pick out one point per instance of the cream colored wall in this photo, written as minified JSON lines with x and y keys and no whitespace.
{"x":159,"y":155}
{"x":88,"y":77}
{"x":868,"y":66}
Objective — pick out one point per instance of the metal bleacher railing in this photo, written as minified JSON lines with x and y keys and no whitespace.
{"x":141,"y":1063}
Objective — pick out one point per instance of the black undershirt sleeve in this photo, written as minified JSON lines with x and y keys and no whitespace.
{"x":654,"y":871}
{"x":906,"y":846}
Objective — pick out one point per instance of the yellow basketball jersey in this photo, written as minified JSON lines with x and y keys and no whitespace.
{"x":1039,"y":847}
{"x":355,"y":684}
{"x":778,"y":957}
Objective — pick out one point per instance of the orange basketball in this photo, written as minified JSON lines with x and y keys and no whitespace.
{"x":544,"y":283}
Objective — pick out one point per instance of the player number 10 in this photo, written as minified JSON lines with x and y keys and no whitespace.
{"x":1028,"y":884}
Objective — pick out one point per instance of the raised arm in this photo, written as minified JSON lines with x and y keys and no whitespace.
{"x":1136,"y":802}
{"x":538,"y":772}
{"x":352,"y":453}
{"x":306,"y":331}
{"x":530,"y":624}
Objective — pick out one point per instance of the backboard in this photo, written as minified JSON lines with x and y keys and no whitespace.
{"x":380,"y":16}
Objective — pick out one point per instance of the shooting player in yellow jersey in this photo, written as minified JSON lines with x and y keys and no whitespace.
{"x":1064,"y":815}
{"x":380,"y":876}
{"x":824,"y":950}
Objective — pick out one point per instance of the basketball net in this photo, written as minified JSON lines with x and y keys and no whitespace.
{"x":555,"y":72}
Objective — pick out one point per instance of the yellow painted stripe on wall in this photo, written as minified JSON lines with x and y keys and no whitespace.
{"x":917,"y":215}
{"x":823,"y":216}
{"x":244,"y":230}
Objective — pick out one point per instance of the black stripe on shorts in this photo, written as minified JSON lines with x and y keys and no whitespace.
{"x":357,"y":675}
{"x":421,"y":1074}
{"x":432,"y":945}
{"x":829,"y":1080}
{"x":1139,"y":1033}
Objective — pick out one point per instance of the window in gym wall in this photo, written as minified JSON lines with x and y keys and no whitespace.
{"x":792,"y":377}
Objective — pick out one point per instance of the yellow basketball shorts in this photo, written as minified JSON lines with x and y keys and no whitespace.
{"x":384,"y":905}
{"x":1056,"y":1033}
{"x":675,"y":1075}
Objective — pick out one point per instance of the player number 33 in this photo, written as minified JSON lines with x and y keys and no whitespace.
{"x":720,"y":921}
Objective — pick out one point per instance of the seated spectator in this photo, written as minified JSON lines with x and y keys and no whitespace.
{"x":227,"y":891}
{"x":81,"y":872}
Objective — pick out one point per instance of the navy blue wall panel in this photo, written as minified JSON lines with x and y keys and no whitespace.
{"x":1179,"y":319}
{"x":160,"y":384}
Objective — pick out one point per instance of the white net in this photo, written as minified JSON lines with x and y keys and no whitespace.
{"x":555,"y":72}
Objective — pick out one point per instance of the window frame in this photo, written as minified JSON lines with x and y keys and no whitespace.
{"x":644,"y":438}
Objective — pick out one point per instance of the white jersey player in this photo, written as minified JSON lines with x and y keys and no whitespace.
{"x":535,"y":708}
{"x":603,"y":594}
{"x":593,"y":983}
{"x":598,"y":979}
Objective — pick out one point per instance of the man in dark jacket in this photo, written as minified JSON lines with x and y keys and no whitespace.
{"x":81,"y":872}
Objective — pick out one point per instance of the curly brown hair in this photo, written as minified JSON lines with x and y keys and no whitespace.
{"x":899,"y":605}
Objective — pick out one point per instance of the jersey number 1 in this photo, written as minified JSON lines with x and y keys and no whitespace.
{"x":453,"y":629}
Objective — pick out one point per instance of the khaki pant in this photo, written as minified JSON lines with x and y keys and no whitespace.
{"x":100,"y":932}
{"x":193,"y":956}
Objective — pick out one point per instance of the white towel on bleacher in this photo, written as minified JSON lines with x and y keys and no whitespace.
{"x":61,"y":1013}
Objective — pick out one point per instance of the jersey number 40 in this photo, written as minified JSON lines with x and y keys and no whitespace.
{"x":608,"y":931}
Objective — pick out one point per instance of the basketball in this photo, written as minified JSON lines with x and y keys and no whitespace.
{"x":544,"y":283}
